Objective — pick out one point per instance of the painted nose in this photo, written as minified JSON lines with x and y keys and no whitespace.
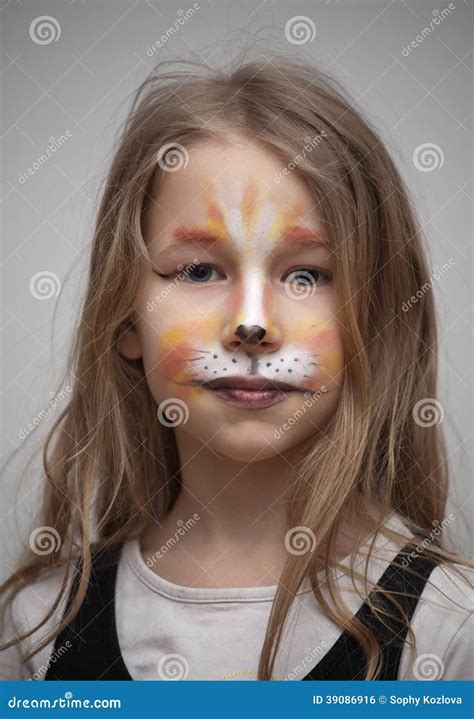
{"x":250,"y":334}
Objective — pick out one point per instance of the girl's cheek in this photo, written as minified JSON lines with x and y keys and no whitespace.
{"x":323,"y":342}
{"x":174,"y":349}
{"x":170,"y":367}
{"x":332,"y":365}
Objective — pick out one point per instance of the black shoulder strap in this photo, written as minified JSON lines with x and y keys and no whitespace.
{"x":346,"y":660}
{"x":88,"y":648}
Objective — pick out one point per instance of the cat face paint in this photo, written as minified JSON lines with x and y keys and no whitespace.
{"x":254,"y":300}
{"x":250,"y":228}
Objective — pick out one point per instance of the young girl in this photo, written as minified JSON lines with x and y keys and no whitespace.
{"x":247,"y":482}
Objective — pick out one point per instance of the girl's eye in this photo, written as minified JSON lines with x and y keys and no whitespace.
{"x":308,"y":277}
{"x":200,"y":273}
{"x":193,"y":273}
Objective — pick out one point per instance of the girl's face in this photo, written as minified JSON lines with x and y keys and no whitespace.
{"x":237,"y":327}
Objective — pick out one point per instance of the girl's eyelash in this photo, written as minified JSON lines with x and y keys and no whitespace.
{"x":185,"y":270}
{"x":325,"y":273}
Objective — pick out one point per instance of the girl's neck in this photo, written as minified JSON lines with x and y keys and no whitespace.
{"x":228,"y":525}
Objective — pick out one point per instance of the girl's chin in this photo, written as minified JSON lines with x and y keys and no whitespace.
{"x":251,"y":440}
{"x":245,"y":453}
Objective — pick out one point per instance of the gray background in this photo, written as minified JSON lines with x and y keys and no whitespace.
{"x":83,"y":83}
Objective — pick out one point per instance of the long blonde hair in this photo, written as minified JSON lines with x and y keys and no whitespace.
{"x":110,"y":467}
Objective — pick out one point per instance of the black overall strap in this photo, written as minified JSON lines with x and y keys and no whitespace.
{"x":346,"y":660}
{"x":93,"y":650}
{"x":88,"y":648}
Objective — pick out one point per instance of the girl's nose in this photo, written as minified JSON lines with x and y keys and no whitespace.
{"x":252,"y":338}
{"x":250,"y":335}
{"x":250,"y":326}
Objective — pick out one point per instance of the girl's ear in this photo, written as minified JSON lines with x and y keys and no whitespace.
{"x":129,"y":344}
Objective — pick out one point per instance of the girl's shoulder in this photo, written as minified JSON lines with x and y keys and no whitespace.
{"x":442,"y":625}
{"x":27,"y":610}
{"x":451,"y":585}
{"x":442,"y":620}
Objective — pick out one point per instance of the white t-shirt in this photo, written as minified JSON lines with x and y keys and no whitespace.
{"x":167,"y":631}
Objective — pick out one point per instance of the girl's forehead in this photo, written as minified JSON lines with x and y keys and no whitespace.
{"x":248,"y":215}
{"x":241,"y":181}
{"x":228,"y":170}
{"x":242,"y":221}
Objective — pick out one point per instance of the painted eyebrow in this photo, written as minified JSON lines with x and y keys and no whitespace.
{"x":187,"y":237}
{"x":183,"y":236}
{"x":304,"y":236}
{"x":294,"y":236}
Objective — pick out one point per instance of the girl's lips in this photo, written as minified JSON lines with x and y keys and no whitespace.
{"x":249,"y":398}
